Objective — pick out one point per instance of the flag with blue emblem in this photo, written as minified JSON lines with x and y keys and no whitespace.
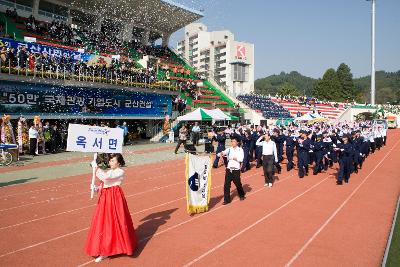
{"x":198,"y":183}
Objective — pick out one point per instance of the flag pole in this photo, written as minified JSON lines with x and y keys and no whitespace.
{"x":93,"y":177}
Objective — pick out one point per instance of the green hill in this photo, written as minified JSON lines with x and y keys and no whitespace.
{"x":270,"y":84}
{"x":387,"y":85}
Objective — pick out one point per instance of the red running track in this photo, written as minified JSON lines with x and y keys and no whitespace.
{"x":298,"y":222}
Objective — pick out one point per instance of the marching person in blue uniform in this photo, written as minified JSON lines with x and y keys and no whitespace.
{"x":258,"y":149}
{"x":290,"y":146}
{"x":318,"y":154}
{"x":246,"y":143}
{"x":220,"y":138}
{"x":234,"y":154}
{"x":346,"y":151}
{"x":365,"y":145}
{"x":328,"y":151}
{"x":254,"y":138}
{"x":357,"y":144}
{"x":279,"y":139}
{"x":303,"y":148}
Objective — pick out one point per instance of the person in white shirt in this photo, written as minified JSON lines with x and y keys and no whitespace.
{"x":269,"y":153}
{"x":195,"y":134}
{"x":33,"y":139}
{"x":235,"y":157}
{"x":384,"y":134}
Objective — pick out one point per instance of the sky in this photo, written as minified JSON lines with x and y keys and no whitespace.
{"x":308,"y":36}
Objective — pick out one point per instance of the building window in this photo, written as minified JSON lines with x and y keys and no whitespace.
{"x":240,"y":72}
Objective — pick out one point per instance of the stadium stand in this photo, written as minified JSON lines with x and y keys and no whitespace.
{"x":302,"y":105}
{"x":164,"y":69}
{"x":265,"y":105}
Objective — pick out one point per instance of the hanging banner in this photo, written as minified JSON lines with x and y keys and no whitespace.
{"x":86,"y":138}
{"x":38,"y":48}
{"x":198,"y":183}
{"x":18,"y":98}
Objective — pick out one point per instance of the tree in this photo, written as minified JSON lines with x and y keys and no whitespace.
{"x":347,"y":90}
{"x":288,"y":89}
{"x":328,"y":88}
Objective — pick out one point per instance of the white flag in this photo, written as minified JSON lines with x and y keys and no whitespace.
{"x":198,"y":183}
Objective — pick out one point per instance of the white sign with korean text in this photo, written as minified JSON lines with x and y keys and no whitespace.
{"x":85,"y":138}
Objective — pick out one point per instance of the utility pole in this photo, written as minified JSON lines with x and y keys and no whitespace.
{"x":373,"y":53}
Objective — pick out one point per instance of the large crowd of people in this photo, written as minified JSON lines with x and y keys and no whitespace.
{"x":264,"y":103}
{"x":318,"y":146}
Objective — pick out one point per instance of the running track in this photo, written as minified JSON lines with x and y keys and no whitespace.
{"x":299,"y":222}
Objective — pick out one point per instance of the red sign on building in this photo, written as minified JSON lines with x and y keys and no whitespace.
{"x":240,"y":52}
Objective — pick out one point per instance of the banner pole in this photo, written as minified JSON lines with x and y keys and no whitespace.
{"x":93,"y":177}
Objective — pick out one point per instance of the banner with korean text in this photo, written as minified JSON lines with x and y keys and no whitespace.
{"x":27,"y":98}
{"x":86,"y":138}
{"x":198,"y":183}
{"x":38,"y":48}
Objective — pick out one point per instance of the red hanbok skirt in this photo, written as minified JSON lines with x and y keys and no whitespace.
{"x":111,"y":231}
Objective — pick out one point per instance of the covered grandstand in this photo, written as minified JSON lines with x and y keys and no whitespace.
{"x":98,"y":60}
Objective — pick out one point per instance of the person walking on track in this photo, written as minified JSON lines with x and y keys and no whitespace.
{"x":235,"y":157}
{"x":182,"y":137}
{"x":111,"y":231}
{"x":270,"y":157}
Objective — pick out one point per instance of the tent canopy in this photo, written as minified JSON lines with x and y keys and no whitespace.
{"x":218,"y":114}
{"x":196,"y":115}
{"x":207,"y":115}
{"x":309,"y":117}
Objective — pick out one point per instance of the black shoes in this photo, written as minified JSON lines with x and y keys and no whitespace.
{"x":339,"y":182}
{"x":225,"y":203}
{"x":242,"y":198}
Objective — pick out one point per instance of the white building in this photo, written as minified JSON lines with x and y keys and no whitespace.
{"x":217,"y":55}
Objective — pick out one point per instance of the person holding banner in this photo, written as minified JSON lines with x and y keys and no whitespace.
{"x":111,"y":231}
{"x":235,"y":157}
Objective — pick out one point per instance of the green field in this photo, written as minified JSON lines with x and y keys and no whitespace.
{"x":393,"y":259}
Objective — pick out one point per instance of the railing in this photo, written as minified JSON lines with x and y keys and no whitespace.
{"x":51,"y":15}
{"x":81,"y":74}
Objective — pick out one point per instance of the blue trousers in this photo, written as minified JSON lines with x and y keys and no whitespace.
{"x":302,"y":164}
{"x":344,"y":169}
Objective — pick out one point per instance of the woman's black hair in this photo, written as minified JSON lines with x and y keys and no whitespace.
{"x":119,"y":158}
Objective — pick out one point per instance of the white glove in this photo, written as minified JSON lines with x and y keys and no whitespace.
{"x":361,"y":154}
{"x":342,"y":149}
{"x":93,"y":164}
{"x":95,"y":188}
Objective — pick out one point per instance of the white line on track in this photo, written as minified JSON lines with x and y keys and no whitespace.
{"x":197,"y":217}
{"x":87,"y":192}
{"x":254,"y":224}
{"x":304,"y":247}
{"x":63,"y":185}
{"x":78,"y":231}
{"x":88,"y":206}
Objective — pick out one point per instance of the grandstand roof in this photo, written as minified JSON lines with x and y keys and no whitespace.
{"x":158,"y":15}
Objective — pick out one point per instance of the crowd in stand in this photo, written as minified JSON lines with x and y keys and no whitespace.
{"x":264,"y":103}
{"x":395,"y":109}
{"x":179,"y":104}
{"x":307,"y":101}
{"x":124,"y":69}
{"x":12,"y":13}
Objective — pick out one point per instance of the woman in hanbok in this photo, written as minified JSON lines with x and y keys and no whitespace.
{"x":111,"y":231}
